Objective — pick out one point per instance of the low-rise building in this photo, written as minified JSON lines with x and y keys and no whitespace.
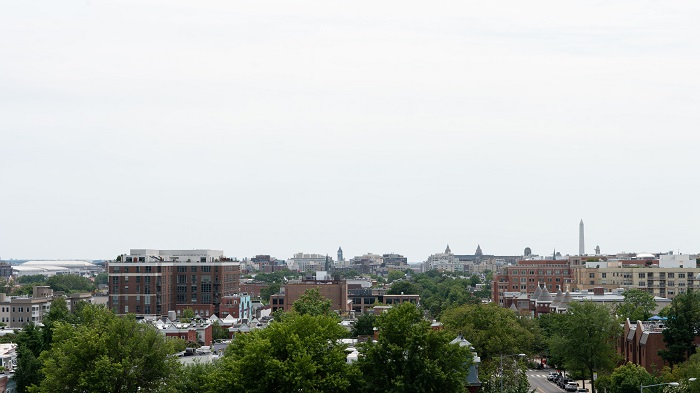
{"x":335,"y":290}
{"x":237,"y":305}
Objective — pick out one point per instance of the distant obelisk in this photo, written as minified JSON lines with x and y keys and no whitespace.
{"x":581,"y":247}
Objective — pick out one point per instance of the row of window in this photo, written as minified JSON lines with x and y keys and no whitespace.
{"x":540,"y":272}
{"x":20,"y":319}
{"x":20,"y":309}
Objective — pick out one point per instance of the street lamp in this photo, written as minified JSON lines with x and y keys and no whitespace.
{"x":641,"y":387}
{"x":517,"y":355}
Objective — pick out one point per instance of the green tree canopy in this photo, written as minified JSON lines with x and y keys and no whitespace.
{"x":364,"y":326}
{"x":301,"y":353}
{"x":269,"y":290}
{"x":585,"y":338}
{"x":395,"y":275}
{"x":30,"y":344}
{"x":105,"y":353}
{"x":101,"y":278}
{"x":638,"y":305}
{"x":410,"y":357}
{"x":187,"y":314}
{"x":36,"y":279}
{"x":312,"y":303}
{"x":70,"y":283}
{"x":681,"y":326}
{"x":491,"y":329}
{"x":628,"y":378}
{"x":405,"y":287}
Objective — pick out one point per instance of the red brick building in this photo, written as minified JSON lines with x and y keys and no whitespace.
{"x":525,"y":276}
{"x":153,"y":282}
{"x":336,"y":291}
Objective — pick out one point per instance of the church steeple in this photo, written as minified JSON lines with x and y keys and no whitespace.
{"x":447,"y":250}
{"x":478,"y":252}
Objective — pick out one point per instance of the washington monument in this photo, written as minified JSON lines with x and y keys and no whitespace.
{"x":581,"y":247}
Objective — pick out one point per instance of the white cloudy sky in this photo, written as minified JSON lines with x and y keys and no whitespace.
{"x":288,"y":126}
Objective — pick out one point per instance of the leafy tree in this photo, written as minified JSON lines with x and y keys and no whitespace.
{"x":187,"y":314}
{"x":474,"y":279}
{"x":276,"y":276}
{"x":36,"y":279}
{"x":364,"y":326}
{"x":30,"y":344}
{"x":491,"y":329}
{"x":219,"y":332}
{"x":507,"y":376}
{"x":627,"y":379}
{"x":410,"y":357}
{"x":585,"y":338}
{"x":684,"y":371}
{"x":301,"y":353}
{"x":638,"y":305}
{"x":312,"y":303}
{"x":101,"y":278}
{"x":105,"y":353}
{"x":404,"y":287}
{"x":21,"y":290}
{"x":58,"y":312}
{"x":683,"y":322}
{"x":395,"y":275}
{"x":28,"y":371}
{"x":70,"y":283}
{"x":189,"y":378}
{"x":269,"y":290}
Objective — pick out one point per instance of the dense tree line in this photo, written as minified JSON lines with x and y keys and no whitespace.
{"x":441,"y":290}
{"x":68,"y":283}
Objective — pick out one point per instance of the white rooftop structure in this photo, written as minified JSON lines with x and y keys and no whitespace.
{"x":50,"y":268}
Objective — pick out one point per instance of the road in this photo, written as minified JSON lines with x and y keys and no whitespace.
{"x":538,"y":381}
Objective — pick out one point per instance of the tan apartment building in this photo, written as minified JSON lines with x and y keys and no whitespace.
{"x":659,"y":281}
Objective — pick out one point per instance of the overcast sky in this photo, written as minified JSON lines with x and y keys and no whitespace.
{"x":279,"y":127}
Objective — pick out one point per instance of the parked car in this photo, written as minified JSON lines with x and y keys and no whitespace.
{"x":582,"y":390}
{"x":562,"y":382}
{"x":551,"y":376}
{"x":571,"y":386}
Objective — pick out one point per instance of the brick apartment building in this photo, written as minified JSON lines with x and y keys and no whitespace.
{"x":526,"y":275}
{"x":364,"y":299}
{"x":336,"y":291}
{"x":641,"y":342}
{"x":153,"y":282}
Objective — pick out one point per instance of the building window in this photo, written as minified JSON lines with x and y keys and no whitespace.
{"x":149,"y":269}
{"x":591,"y":275}
{"x":681,"y":275}
{"x":604,"y":275}
{"x":671,"y":275}
{"x":193,"y":269}
{"x":206,"y":269}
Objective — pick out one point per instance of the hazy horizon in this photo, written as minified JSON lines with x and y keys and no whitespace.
{"x":277,"y":127}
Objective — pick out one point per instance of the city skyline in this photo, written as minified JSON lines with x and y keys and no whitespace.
{"x":395,"y":127}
